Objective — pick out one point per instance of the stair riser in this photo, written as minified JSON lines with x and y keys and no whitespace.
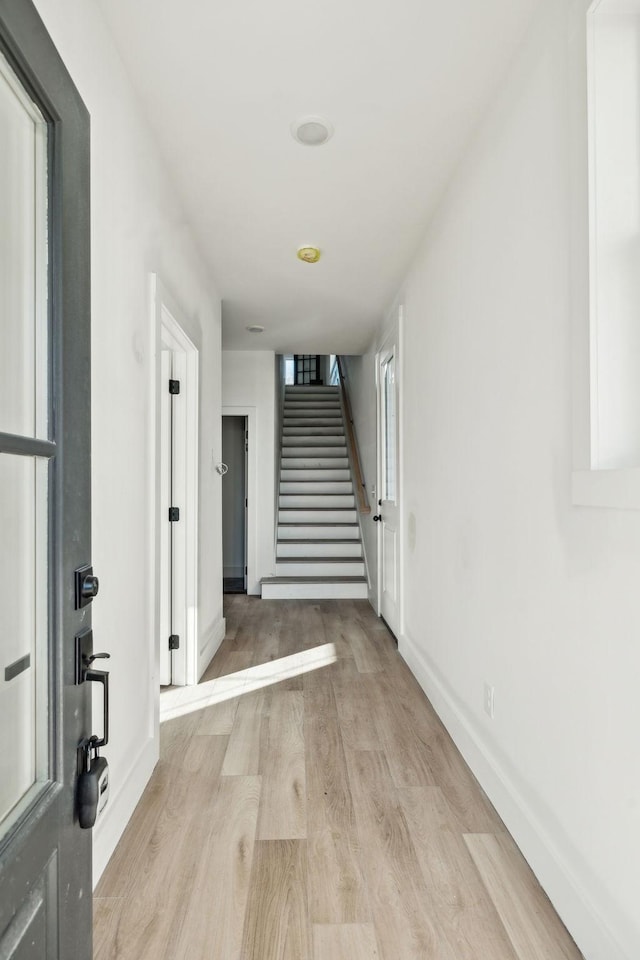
{"x":315,"y":463}
{"x":323,"y":403}
{"x":306,"y":389}
{"x":317,"y":516}
{"x":312,"y":422}
{"x":312,"y":400}
{"x":319,"y":568}
{"x":309,"y":409}
{"x":321,"y":531}
{"x":315,"y":591}
{"x":310,"y":431}
{"x":318,"y":549}
{"x":316,"y":486}
{"x":315,"y":477}
{"x":290,"y":443}
{"x":317,"y":501}
{"x":312,"y":410}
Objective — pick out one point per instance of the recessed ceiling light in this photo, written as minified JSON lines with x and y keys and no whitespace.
{"x":309,"y":254}
{"x":311,"y":131}
{"x":255,"y":328}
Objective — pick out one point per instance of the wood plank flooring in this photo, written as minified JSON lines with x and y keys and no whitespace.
{"x":316,"y":810}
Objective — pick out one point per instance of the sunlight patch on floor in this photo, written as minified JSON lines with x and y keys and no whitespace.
{"x":178,"y":701}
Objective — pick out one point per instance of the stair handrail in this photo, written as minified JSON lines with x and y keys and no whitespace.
{"x":361,"y":490}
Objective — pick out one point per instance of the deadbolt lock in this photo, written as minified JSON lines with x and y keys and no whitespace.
{"x":87,"y":586}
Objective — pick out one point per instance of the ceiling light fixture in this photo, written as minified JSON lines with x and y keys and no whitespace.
{"x":311,"y":131}
{"x":309,"y":254}
{"x":255,"y":328}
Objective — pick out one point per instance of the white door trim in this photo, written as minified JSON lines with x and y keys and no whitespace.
{"x":253,"y":585}
{"x":168,"y":327}
{"x":402,"y":525}
{"x":392,"y":337}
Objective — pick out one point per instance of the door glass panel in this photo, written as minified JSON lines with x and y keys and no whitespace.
{"x":306,"y":367}
{"x":24,"y":403}
{"x":23,"y":261}
{"x":389,"y":424}
{"x":23,"y":629}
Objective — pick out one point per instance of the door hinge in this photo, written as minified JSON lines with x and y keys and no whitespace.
{"x":174,"y":386}
{"x":174,"y":641}
{"x":246,"y":571}
{"x":246,"y":503}
{"x":174,"y":514}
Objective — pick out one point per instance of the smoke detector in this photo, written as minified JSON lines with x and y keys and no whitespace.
{"x":311,"y":131}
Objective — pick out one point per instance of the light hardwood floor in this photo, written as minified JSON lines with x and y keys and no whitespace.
{"x":320,"y":813}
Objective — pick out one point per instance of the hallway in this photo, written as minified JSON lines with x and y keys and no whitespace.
{"x":326,"y":816}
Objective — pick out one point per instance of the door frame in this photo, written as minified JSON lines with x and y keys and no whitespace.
{"x":245,"y":495}
{"x":169,"y":326}
{"x":392,"y":335}
{"x":253,"y":585}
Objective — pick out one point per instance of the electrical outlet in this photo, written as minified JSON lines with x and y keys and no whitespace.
{"x":489,"y":696}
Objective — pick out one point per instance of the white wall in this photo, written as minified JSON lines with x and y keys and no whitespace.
{"x":138,"y":227}
{"x":361,"y":385}
{"x":508,"y":583}
{"x":248,"y":381}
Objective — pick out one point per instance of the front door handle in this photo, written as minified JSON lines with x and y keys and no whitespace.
{"x":92,"y":791}
{"x":85,"y":672}
{"x":101,"y":676}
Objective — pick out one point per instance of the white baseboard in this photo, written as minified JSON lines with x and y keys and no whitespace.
{"x":119,"y":810}
{"x":578,"y":909}
{"x":215,"y":637}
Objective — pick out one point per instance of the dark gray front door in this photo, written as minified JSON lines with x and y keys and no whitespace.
{"x":45,"y":858}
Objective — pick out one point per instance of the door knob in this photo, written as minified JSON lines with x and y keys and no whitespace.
{"x":377,"y":517}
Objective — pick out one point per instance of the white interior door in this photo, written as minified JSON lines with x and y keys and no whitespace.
{"x":246,"y":502}
{"x":388,"y":489}
{"x":176,"y":509}
{"x":180,"y":499}
{"x":173,"y":495}
{"x":165,"y":527}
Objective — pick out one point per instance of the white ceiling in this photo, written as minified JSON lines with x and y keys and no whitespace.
{"x":402,"y":81}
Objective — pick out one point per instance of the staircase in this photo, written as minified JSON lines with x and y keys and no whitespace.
{"x":318,"y":550}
